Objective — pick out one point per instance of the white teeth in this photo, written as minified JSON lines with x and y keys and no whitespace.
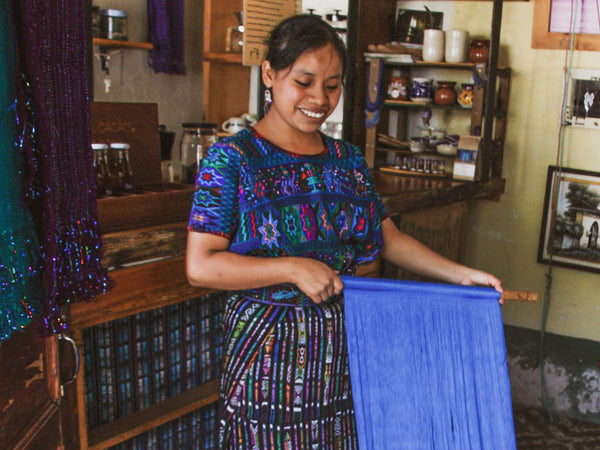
{"x":312,"y":114}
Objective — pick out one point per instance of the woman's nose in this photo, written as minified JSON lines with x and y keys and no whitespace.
{"x":319,"y":96}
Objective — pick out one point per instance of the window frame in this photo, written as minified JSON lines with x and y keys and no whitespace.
{"x":542,"y":38}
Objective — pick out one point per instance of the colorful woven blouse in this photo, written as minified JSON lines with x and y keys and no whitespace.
{"x":270,"y":202}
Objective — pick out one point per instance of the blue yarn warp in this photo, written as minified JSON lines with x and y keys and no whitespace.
{"x":428,"y":366}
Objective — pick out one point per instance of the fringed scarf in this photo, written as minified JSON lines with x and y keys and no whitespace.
{"x":427,"y":366}
{"x":21,"y":292}
{"x":165,"y":27}
{"x":53,"y":47}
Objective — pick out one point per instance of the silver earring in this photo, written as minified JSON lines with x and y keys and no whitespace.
{"x":268,"y":98}
{"x":268,"y":101}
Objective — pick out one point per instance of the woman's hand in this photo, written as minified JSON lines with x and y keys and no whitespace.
{"x":479,"y":278}
{"x":316,"y":279}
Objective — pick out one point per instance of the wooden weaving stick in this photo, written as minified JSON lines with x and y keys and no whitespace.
{"x":519,"y":296}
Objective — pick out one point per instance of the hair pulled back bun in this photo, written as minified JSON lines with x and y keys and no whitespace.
{"x":297,"y":34}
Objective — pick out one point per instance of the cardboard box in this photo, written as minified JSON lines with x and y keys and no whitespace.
{"x":467,"y":160}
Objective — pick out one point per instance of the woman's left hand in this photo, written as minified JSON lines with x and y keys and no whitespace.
{"x":479,"y":278}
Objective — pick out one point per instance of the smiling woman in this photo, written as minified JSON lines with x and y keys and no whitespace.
{"x":280,"y":212}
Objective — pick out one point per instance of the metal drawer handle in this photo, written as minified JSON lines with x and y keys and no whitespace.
{"x":71,"y":341}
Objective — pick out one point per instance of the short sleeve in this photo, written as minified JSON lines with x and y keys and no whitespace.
{"x":215,"y":201}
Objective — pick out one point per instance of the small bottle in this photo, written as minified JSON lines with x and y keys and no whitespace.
{"x":100,"y":168}
{"x":404,"y":163}
{"x":441,"y":167}
{"x":428,"y":166}
{"x":117,"y":165}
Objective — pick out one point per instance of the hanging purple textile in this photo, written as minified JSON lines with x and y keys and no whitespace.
{"x":427,"y":366}
{"x":53,"y":48}
{"x":165,"y":28}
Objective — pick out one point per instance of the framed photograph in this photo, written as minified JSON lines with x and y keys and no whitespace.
{"x":411,"y":24}
{"x":583,"y":94}
{"x":569,"y":233}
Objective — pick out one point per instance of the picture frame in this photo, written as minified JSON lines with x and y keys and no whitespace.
{"x":583,"y":98}
{"x":410,"y":25}
{"x":569,"y":234}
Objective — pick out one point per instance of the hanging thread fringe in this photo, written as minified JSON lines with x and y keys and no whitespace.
{"x":428,"y":365}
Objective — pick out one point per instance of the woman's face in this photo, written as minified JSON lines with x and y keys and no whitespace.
{"x":305,"y":94}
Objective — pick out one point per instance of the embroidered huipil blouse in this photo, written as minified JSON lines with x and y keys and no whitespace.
{"x":270,"y":202}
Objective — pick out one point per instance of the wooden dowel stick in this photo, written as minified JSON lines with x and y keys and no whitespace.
{"x":519,"y":296}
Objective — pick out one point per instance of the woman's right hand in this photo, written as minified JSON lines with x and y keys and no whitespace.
{"x":316,"y":279}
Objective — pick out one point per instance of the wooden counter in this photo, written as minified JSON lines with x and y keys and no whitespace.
{"x":401,"y":194}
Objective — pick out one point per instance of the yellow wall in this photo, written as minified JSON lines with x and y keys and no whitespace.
{"x":503,"y":236}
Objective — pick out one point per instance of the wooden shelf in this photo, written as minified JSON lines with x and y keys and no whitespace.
{"x":223,"y":57}
{"x":409,"y":104}
{"x":137,"y":289}
{"x":137,"y":423}
{"x":113,"y":43}
{"x":152,"y":205}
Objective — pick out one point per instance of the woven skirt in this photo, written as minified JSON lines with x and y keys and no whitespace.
{"x":285,"y":382}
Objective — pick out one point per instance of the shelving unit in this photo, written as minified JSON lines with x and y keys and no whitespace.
{"x":405,"y":108}
{"x":115,"y":44}
{"x":361,"y":33}
{"x":226,"y":86}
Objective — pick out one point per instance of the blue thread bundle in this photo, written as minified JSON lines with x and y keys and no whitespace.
{"x":428,"y":366}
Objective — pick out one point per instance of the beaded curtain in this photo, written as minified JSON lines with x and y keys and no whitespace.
{"x":53,"y":46}
{"x":21,"y":293}
{"x":427,"y":365}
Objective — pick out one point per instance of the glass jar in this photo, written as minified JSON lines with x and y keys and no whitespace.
{"x":196,"y":139}
{"x":100,"y":168}
{"x":235,"y":35}
{"x":113,"y":24}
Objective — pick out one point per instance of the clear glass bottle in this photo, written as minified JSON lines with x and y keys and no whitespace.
{"x":197,"y":137}
{"x":101,"y":173}
{"x":119,"y":167}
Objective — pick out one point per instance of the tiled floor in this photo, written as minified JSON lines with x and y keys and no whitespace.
{"x":535,"y":430}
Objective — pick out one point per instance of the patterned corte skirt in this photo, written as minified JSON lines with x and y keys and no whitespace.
{"x":285,"y":382}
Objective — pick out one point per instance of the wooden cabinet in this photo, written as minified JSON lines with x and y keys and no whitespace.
{"x":149,"y":349}
{"x":226,"y":84}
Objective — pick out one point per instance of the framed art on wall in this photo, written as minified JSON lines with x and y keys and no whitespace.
{"x":583,"y":98}
{"x":571,"y":219}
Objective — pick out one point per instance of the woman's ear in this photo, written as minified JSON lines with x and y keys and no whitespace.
{"x":268,"y":73}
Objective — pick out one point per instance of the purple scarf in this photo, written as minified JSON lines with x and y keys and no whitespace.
{"x":53,"y":48}
{"x":165,"y":27}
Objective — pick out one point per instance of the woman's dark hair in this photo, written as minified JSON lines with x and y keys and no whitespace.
{"x":299,"y":33}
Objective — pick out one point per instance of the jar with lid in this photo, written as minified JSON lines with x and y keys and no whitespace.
{"x":100,"y":168}
{"x":113,"y":24}
{"x":197,"y":137}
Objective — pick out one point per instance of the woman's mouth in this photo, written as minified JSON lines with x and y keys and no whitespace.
{"x":312,"y":114}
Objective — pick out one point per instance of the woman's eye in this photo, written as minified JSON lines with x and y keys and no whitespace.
{"x":332,"y":87}
{"x":303,"y":83}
